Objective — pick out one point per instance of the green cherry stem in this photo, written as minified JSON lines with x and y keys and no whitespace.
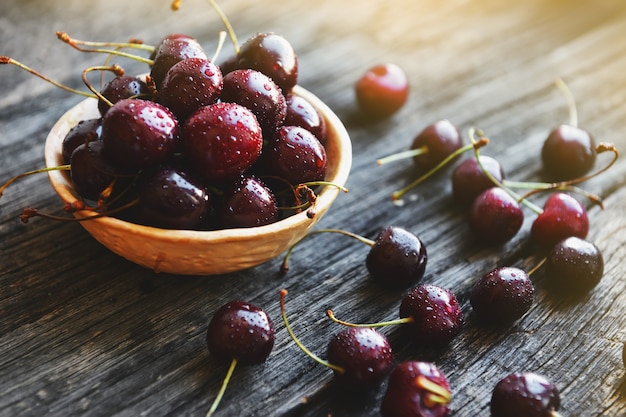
{"x":316,"y":358}
{"x":35,"y":171}
{"x":402,"y":155}
{"x":9,"y":60}
{"x":132,"y":44}
{"x":571,"y":103}
{"x":404,"y":320}
{"x":472,"y":134}
{"x":63,"y":36}
{"x":397,"y":195}
{"x":222,"y":390}
{"x":285,"y":265}
{"x":115,"y":69}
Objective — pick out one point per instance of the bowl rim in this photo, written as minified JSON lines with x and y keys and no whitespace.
{"x":88,"y":109}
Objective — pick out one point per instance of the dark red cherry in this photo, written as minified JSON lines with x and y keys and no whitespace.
{"x":84,"y":131}
{"x":382,"y":90}
{"x":568,"y":153}
{"x":437,"y":141}
{"x":563,"y":216}
{"x":524,"y":395}
{"x":495,"y":216}
{"x":122,"y":87}
{"x":138,"y":133}
{"x":575,"y":265}
{"x":249,"y":203}
{"x":222,"y":141}
{"x":300,"y":112}
{"x":397,"y":259}
{"x":172,"y":50}
{"x":364,"y":356}
{"x":272,"y":55}
{"x":469,"y":179}
{"x":172,"y":198}
{"x":257,"y":92}
{"x":295,"y":155}
{"x":171,"y":36}
{"x":242,"y":331}
{"x":91,"y":173}
{"x":435,"y":313}
{"x":503,"y":295}
{"x":190,"y":84}
{"x":416,"y":389}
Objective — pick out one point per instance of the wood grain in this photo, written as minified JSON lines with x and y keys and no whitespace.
{"x":84,"y":332}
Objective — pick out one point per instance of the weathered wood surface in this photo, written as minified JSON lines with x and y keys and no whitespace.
{"x":83,"y":332}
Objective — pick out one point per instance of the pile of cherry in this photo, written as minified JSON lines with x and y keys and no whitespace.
{"x":196,"y":145}
{"x":360,"y":356}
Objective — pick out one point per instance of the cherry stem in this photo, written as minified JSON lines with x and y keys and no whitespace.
{"x":229,"y":28}
{"x":36,"y":171}
{"x":536,"y":267}
{"x":220,"y":45}
{"x":63,"y":36}
{"x":9,"y":60}
{"x":402,"y":155}
{"x":571,"y":103}
{"x":316,"y":358}
{"x":30,"y":212}
{"x":520,"y":199}
{"x":397,"y":195}
{"x":285,"y":265}
{"x":404,"y":320}
{"x":132,"y":44}
{"x":222,"y":390}
{"x":116,"y":69}
{"x":437,"y":393}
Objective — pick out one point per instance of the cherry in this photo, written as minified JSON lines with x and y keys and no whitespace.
{"x":249,"y":203}
{"x":84,"y":131}
{"x":569,"y":151}
{"x":359,"y":357}
{"x":172,"y":198}
{"x":272,"y":55}
{"x":562,"y":216}
{"x":295,"y":155}
{"x":495,"y":216}
{"x":122,"y":87}
{"x":239,"y":332}
{"x":382,"y":90}
{"x":503,"y":295}
{"x":91,"y":173}
{"x":138,"y":133}
{"x":190,"y":84}
{"x":525,"y":394}
{"x":469,"y":178}
{"x":257,"y":92}
{"x":397,"y":257}
{"x":170,"y":51}
{"x":300,"y":112}
{"x":575,"y":265}
{"x":222,"y":141}
{"x":416,"y":389}
{"x":433,"y":312}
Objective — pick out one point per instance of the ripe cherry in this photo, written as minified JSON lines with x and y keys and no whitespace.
{"x":172,"y":50}
{"x":222,"y":141}
{"x":382,"y":90}
{"x":562,"y":216}
{"x":138,"y":133}
{"x":122,"y":87}
{"x":241,"y":333}
{"x":575,"y":265}
{"x":503,"y":295}
{"x":190,"y":84}
{"x":416,"y":389}
{"x":469,"y":178}
{"x":272,"y":55}
{"x":397,"y":257}
{"x":359,"y":357}
{"x":257,"y":92}
{"x":433,"y":312}
{"x":83,"y":132}
{"x":300,"y":112}
{"x":525,"y":395}
{"x":495,"y":216}
{"x":91,"y":173}
{"x":249,"y":203}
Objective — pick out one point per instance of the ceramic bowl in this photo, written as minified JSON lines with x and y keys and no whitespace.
{"x":192,"y":252}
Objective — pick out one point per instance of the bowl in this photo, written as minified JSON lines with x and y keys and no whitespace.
{"x":191,"y":252}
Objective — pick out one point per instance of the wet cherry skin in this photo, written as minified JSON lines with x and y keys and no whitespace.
{"x":249,"y":203}
{"x":83,"y":132}
{"x":439,"y":140}
{"x":495,"y":217}
{"x":122,"y":87}
{"x":563,"y":216}
{"x":568,"y":153}
{"x":90,"y":171}
{"x":575,"y":265}
{"x":382,"y":90}
{"x":300,"y":112}
{"x":524,"y":394}
{"x":172,"y":50}
{"x":469,"y":179}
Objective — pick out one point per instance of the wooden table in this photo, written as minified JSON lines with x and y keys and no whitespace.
{"x":84,"y":332}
